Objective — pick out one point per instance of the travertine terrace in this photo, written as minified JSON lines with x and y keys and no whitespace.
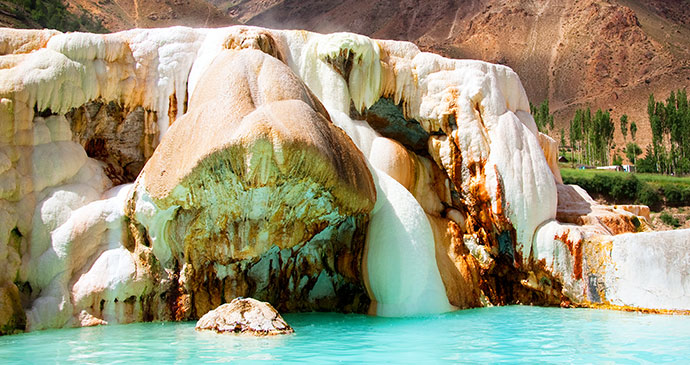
{"x":155,"y":174}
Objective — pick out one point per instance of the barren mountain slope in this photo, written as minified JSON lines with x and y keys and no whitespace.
{"x":600,"y":53}
{"x":13,"y":16}
{"x":119,"y":15}
{"x":580,"y":53}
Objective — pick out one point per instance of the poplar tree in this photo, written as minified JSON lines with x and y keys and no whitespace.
{"x":633,"y":130}
{"x":670,"y":124}
{"x":624,"y":126}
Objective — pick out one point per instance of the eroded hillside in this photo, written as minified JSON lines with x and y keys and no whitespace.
{"x":607,"y":54}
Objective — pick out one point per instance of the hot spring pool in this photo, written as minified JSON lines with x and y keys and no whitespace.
{"x":514,"y":334}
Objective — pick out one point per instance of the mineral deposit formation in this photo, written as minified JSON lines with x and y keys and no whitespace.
{"x":155,"y":174}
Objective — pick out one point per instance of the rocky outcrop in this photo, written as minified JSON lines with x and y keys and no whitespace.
{"x":575,"y":206}
{"x":600,"y":270}
{"x":267,"y":182}
{"x":12,"y":317}
{"x":244,"y":316}
{"x":255,"y":194}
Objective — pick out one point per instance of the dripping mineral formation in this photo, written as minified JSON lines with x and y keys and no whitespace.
{"x":156,"y":174}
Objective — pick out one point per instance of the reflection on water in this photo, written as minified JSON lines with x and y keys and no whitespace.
{"x":515,"y":334}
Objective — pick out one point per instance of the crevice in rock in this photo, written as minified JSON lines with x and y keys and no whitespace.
{"x":506,"y":284}
{"x":387,"y":118}
{"x":42,"y":113}
{"x":123,"y":138}
{"x":342,"y":63}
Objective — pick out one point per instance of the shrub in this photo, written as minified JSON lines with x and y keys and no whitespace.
{"x":669,"y":219}
{"x":649,"y":197}
{"x":619,"y":189}
{"x":625,"y":189}
{"x":676,"y":195}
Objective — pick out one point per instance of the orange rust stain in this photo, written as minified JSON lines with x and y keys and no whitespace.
{"x":618,"y":224}
{"x":172,"y":108}
{"x":460,"y":270}
{"x":575,"y":249}
{"x":456,"y":161}
{"x":452,"y":99}
{"x":181,"y":305}
{"x":499,"y":193}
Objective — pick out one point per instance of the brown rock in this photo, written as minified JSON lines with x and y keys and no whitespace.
{"x":575,"y":206}
{"x":124,"y":138}
{"x":245,"y":316}
{"x":88,"y":320}
{"x":12,"y":317}
{"x":638,"y":210}
{"x":459,"y":270}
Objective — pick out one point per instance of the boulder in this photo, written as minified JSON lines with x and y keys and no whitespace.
{"x":245,"y":316}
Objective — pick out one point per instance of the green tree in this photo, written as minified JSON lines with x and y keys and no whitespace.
{"x":542,"y":116}
{"x":670,"y":125}
{"x":576,"y":135}
{"x":601,"y":136}
{"x":54,"y":14}
{"x":617,"y":160}
{"x":633,"y":130}
{"x":646,"y":163}
{"x":632,"y":150}
{"x":624,"y":126}
{"x":592,"y":136}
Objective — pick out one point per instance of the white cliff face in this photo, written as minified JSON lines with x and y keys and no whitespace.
{"x":649,"y":270}
{"x":65,"y":243}
{"x":483,"y":178}
{"x":492,"y":127}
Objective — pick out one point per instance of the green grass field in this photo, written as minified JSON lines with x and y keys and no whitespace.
{"x":655,"y":190}
{"x":654,"y":179}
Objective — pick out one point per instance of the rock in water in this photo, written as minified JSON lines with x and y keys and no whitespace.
{"x":245,"y":316}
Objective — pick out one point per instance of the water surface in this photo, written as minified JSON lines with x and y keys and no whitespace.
{"x":513,"y":334}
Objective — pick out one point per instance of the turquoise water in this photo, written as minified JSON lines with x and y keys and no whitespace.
{"x":513,"y":334}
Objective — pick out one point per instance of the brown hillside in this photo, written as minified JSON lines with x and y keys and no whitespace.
{"x":13,"y":16}
{"x":119,"y":15}
{"x":601,"y":53}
